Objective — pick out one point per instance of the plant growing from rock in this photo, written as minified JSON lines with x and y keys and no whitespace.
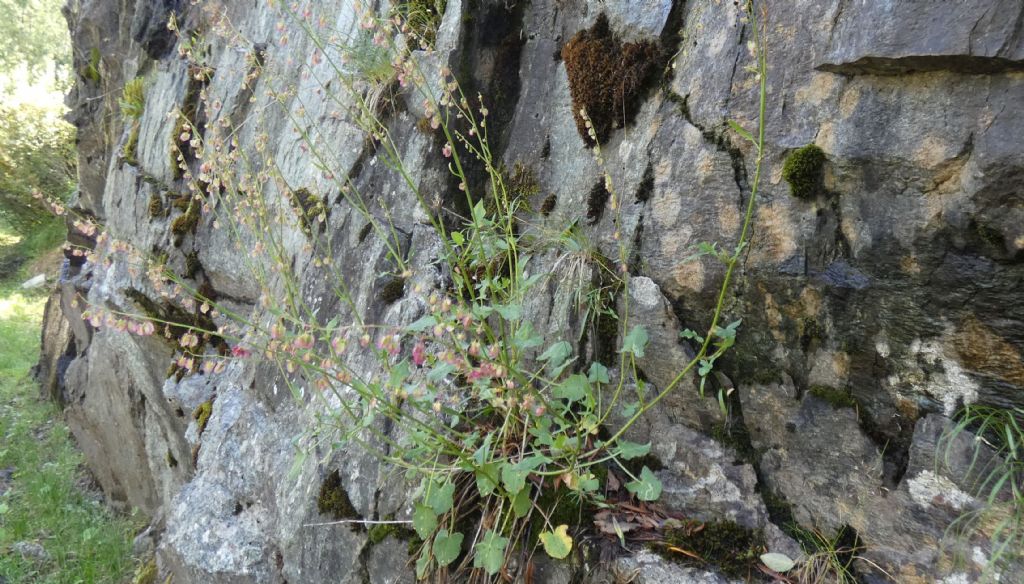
{"x":496,"y":424}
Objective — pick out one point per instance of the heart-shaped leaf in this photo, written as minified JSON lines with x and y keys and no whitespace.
{"x":424,"y":520}
{"x":447,"y":547}
{"x":558,"y":543}
{"x":647,"y":487}
{"x":489,"y":553}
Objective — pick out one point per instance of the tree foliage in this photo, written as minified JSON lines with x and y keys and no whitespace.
{"x":33,"y":35}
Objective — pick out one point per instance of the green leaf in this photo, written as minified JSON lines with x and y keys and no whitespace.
{"x":526,"y":337}
{"x":423,"y":564}
{"x":458,"y":238}
{"x":743,"y":133}
{"x":513,"y":476}
{"x":598,"y":373}
{"x":556,"y":354}
{"x":635,"y":341}
{"x":690,"y":334}
{"x":777,"y":562}
{"x":487,"y":477}
{"x":399,"y":373}
{"x":440,"y":371}
{"x":422,"y":324}
{"x":574,"y":388}
{"x":489,"y":553}
{"x":440,"y":498}
{"x":509,"y":311}
{"x":424,"y":520}
{"x":447,"y":547}
{"x":557,"y":544}
{"x":522,"y":503}
{"x":647,"y":487}
{"x":629,"y":450}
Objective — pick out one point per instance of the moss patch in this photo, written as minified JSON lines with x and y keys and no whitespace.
{"x":837,"y":397}
{"x":156,"y":207}
{"x":802,"y":170}
{"x":333,"y":500}
{"x":185,"y":224}
{"x":202,"y":415}
{"x":608,"y":78}
{"x":146,"y":573}
{"x":310,"y":210}
{"x":91,"y":71}
{"x":130,"y":151}
{"x":728,"y":546}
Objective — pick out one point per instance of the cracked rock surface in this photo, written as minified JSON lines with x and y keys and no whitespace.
{"x":897,"y":284}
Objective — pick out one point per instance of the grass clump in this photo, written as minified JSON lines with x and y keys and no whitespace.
{"x":607,"y":78}
{"x":802,"y":170}
{"x":41,"y":497}
{"x":996,"y":477}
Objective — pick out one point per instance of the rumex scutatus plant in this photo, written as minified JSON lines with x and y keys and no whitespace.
{"x":498,"y":426}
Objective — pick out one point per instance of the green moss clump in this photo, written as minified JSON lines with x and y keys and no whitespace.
{"x":131,"y":146}
{"x":308,"y":207}
{"x":334,"y":502}
{"x":92,"y":68}
{"x":185,"y":224}
{"x":133,"y":99}
{"x":156,"y":207}
{"x":607,"y":78}
{"x":202,"y":415}
{"x":171,"y":461}
{"x":522,"y":182}
{"x":837,"y":397}
{"x":732,"y":548}
{"x":380,"y":532}
{"x":146,"y":573}
{"x":802,"y":170}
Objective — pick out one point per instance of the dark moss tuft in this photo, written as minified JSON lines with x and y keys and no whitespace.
{"x":521,"y":182}
{"x":597,"y":199}
{"x":608,"y":78}
{"x":185,"y":224}
{"x":192,"y":265}
{"x":202,"y":415}
{"x":392,"y":289}
{"x":548,"y":205}
{"x":730,"y":547}
{"x":309,"y":209}
{"x":802,"y":170}
{"x":156,"y":207}
{"x":333,"y":500}
{"x":837,"y":397}
{"x":171,"y":461}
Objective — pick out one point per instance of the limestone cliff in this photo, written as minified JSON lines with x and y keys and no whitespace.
{"x":873,"y":306}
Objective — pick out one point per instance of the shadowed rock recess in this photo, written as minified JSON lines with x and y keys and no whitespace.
{"x":875,"y":304}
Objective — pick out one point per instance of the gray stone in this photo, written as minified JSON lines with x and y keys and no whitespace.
{"x":896,"y":285}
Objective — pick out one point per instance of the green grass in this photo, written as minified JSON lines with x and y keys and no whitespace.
{"x":44,"y":502}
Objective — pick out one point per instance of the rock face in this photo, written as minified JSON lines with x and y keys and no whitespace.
{"x":894,"y":285}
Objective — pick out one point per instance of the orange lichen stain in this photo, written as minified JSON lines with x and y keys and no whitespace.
{"x":983,"y":351}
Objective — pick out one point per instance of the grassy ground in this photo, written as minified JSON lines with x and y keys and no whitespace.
{"x":45,"y":502}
